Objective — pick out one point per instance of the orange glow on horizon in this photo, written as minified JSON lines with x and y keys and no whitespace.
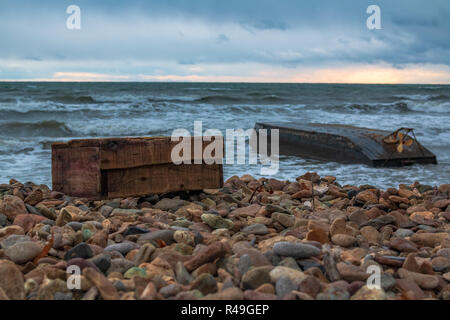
{"x":368,"y":74}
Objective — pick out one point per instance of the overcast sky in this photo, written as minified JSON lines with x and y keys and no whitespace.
{"x":226,"y":40}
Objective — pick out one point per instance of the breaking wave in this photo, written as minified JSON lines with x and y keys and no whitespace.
{"x":73,"y":99}
{"x":47,"y":128}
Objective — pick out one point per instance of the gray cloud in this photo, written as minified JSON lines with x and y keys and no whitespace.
{"x":222,"y":38}
{"x":140,"y":34}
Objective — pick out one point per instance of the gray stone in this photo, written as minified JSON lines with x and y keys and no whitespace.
{"x":75,"y":225}
{"x":170,"y":290}
{"x":164,"y":235}
{"x":216,"y":221}
{"x":81,"y":250}
{"x":48,"y":222}
{"x":290,"y":263}
{"x":182,"y":274}
{"x":144,"y":253}
{"x":63,"y":296}
{"x":286,"y":220}
{"x":294,"y":275}
{"x":387,"y":281}
{"x":106,"y":211}
{"x":444,"y":252}
{"x":125,"y":212}
{"x":120,"y":265}
{"x":123,"y":247}
{"x":403,"y":233}
{"x":178,"y":228}
{"x":255,"y":277}
{"x":228,"y":283}
{"x":167,"y":204}
{"x":243,"y":247}
{"x":258,"y":229}
{"x":3,"y":220}
{"x":113,"y":203}
{"x":189,"y":295}
{"x":270,"y":208}
{"x":245,"y":262}
{"x":283,"y":286}
{"x":293,"y":249}
{"x":46,"y":212}
{"x":132,"y":230}
{"x":23,"y":251}
{"x":205,"y":283}
{"x":272,"y":257}
{"x":32,"y":209}
{"x":119,"y":285}
{"x":306,"y":264}
{"x":102,"y":261}
{"x":12,"y":240}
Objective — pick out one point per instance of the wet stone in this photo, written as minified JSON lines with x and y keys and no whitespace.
{"x":403,"y":233}
{"x":259,"y":229}
{"x":76,"y":226}
{"x":306,"y":264}
{"x":290,"y":263}
{"x":82,"y":250}
{"x":216,"y":221}
{"x":387,"y":281}
{"x":294,"y":275}
{"x":205,"y":283}
{"x":63,"y":296}
{"x":255,"y":277}
{"x":164,"y":235}
{"x":3,"y":220}
{"x":284,"y":219}
{"x":120,"y":265}
{"x":182,"y":275}
{"x":245,"y":263}
{"x":22,"y":252}
{"x":12,"y":240}
{"x":298,"y":250}
{"x":283,"y":286}
{"x":135,"y":230}
{"x":123,"y":247}
{"x":103,"y":262}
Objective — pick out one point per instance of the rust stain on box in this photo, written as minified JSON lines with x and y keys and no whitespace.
{"x":124,"y":167}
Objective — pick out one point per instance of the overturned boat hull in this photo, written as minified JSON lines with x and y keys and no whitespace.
{"x":346,"y":144}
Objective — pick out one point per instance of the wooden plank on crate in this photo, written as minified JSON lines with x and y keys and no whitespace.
{"x":78,"y":143}
{"x":162,"y":178}
{"x":132,"y":152}
{"x":76,"y":171}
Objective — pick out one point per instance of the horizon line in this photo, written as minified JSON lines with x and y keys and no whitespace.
{"x":223,"y":82}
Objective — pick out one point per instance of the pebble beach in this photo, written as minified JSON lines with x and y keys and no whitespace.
{"x":253,"y":239}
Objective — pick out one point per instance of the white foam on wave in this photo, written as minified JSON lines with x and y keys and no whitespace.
{"x":431,"y":107}
{"x":415,"y":96}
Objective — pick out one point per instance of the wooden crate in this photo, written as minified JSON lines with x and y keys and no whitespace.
{"x":124,"y":167}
